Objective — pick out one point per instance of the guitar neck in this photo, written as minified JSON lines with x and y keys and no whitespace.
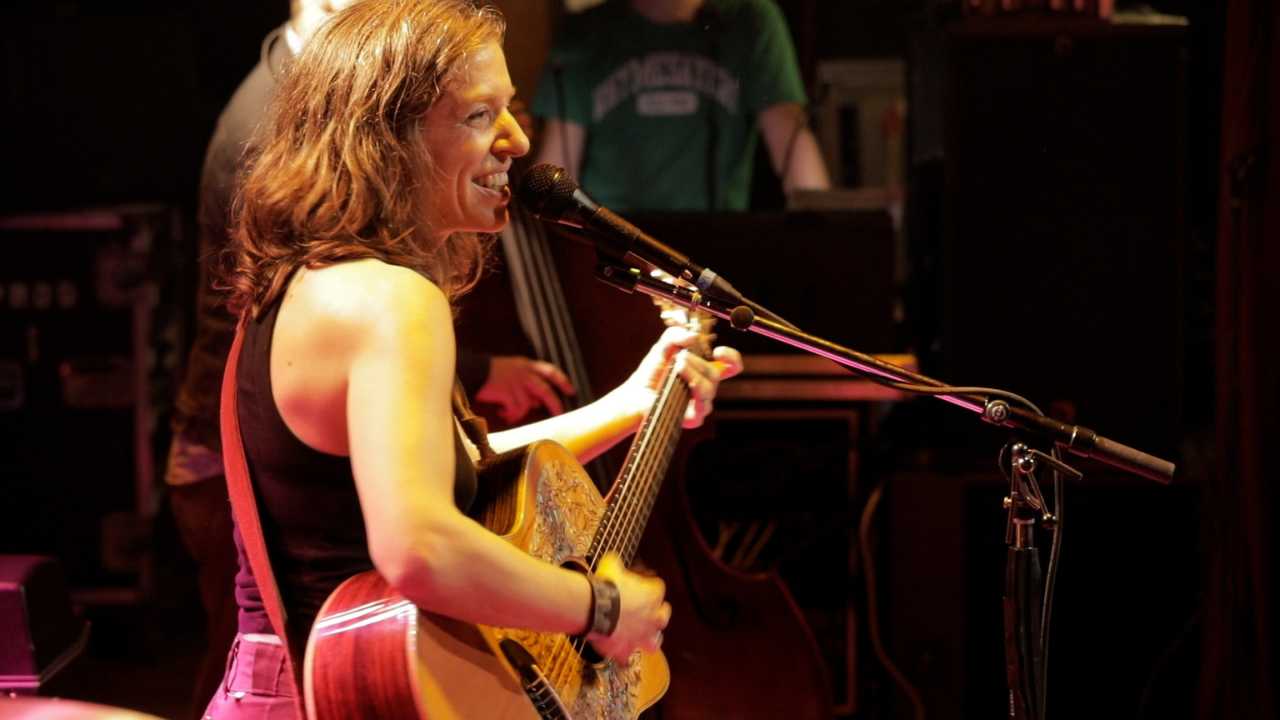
{"x":642,"y":474}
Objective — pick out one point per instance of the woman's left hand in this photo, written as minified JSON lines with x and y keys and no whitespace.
{"x":701,"y":376}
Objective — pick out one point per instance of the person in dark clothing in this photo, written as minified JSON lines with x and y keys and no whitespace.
{"x":384,"y":155}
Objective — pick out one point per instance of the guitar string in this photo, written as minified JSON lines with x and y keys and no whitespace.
{"x":534,"y":275}
{"x":552,"y":329}
{"x":624,"y":522}
{"x":647,"y":477}
{"x":564,"y":337}
{"x":550,"y":318}
{"x":559,"y":340}
{"x":533,"y":282}
{"x":666,"y":434}
{"x":634,"y":474}
{"x":601,"y":544}
{"x":565,"y":652}
{"x":524,"y":280}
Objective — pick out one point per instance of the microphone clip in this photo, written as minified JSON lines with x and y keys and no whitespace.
{"x":621,"y":277}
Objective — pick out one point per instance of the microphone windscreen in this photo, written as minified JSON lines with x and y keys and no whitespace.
{"x":546,"y":189}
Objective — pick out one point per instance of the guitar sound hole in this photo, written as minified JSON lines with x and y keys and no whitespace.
{"x":592,"y":657}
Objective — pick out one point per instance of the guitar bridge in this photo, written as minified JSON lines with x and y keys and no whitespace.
{"x":534,"y":682}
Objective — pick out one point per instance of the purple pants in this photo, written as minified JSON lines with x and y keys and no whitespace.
{"x":256,"y":685}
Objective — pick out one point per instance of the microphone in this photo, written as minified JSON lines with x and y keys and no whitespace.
{"x":550,"y":194}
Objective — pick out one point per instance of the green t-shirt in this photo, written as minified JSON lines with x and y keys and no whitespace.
{"x":643,"y":92}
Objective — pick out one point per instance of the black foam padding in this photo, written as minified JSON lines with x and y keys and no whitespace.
{"x":546,"y":188}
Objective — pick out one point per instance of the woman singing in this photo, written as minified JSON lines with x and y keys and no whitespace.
{"x":384,"y":161}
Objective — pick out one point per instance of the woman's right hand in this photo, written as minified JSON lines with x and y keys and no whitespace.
{"x":644,"y":613}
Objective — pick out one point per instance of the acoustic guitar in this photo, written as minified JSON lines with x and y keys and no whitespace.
{"x":373,"y":654}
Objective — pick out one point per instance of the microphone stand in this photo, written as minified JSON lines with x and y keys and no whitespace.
{"x":1026,"y":628}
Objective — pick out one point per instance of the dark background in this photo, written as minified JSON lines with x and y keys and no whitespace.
{"x":1081,"y":272}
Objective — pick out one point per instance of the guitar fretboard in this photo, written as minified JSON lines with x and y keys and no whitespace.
{"x":641,"y":478}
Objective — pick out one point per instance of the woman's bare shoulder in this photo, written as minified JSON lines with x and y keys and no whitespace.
{"x":344,"y":306}
{"x":365,"y":292}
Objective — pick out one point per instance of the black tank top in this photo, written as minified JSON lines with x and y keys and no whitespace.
{"x":307,"y":499}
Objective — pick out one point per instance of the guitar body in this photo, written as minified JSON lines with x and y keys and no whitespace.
{"x":373,"y":654}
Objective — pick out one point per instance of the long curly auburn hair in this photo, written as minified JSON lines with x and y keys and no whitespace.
{"x":341,"y":160}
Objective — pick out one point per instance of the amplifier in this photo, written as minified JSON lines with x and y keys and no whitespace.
{"x":39,"y":635}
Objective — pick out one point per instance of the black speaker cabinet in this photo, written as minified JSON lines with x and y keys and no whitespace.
{"x":1061,"y":231}
{"x":39,"y":633}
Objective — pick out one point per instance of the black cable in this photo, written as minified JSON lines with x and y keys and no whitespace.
{"x":1050,"y":576}
{"x":1055,"y":550}
{"x":939,"y":389}
{"x":1162,"y":662}
{"x":873,"y":605}
{"x":1051,"y":569}
{"x":957,"y":390}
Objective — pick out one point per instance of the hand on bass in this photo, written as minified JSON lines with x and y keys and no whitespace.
{"x":519,"y":385}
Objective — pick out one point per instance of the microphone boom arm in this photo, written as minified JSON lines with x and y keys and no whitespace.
{"x":1076,"y":439}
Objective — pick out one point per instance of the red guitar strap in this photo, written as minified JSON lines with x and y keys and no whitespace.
{"x":244,"y":507}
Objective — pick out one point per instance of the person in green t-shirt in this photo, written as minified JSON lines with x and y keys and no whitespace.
{"x":654,"y":104}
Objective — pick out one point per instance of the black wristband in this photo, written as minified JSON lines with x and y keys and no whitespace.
{"x":606,"y":606}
